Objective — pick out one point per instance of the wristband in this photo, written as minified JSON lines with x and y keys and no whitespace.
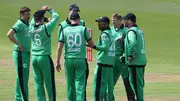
{"x":94,"y":47}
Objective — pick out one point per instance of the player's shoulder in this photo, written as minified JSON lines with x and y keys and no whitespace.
{"x":82,"y":22}
{"x":18,"y":25}
{"x":63,"y":23}
{"x":78,"y":26}
{"x":18,"y":22}
{"x":108,"y":31}
{"x":105,"y":34}
{"x":125,"y":29}
{"x":132,"y":30}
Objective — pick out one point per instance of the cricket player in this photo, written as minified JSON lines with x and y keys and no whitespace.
{"x":120,"y":68}
{"x":74,"y":38}
{"x":135,"y":56}
{"x":41,"y":50}
{"x":19,"y":35}
{"x":67,"y":22}
{"x":103,"y":77}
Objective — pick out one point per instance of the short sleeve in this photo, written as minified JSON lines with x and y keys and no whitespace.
{"x":16,"y":27}
{"x":87,"y":35}
{"x":61,"y":37}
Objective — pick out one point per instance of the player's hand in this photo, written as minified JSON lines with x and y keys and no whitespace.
{"x":20,"y":47}
{"x":46,"y":8}
{"x":119,"y":39}
{"x":58,"y":67}
{"x":49,"y":19}
{"x":122,"y":59}
{"x":87,"y":45}
{"x":131,"y":58}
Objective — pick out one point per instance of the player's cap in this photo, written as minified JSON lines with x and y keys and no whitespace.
{"x":38,"y":15}
{"x":130,"y":16}
{"x":74,"y":16}
{"x":74,"y":7}
{"x":103,"y":19}
{"x":125,"y":17}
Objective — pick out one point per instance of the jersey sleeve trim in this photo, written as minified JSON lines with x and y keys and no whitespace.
{"x":62,"y":32}
{"x":89,"y":39}
{"x":61,"y":41}
{"x":46,"y":31}
{"x":101,"y":34}
{"x":85,"y":34}
{"x":61,"y":28}
{"x":14,"y":30}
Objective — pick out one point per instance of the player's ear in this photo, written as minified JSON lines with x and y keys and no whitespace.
{"x":106,"y":24}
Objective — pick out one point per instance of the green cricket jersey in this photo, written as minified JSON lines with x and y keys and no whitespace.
{"x":21,"y":29}
{"x":119,"y":34}
{"x":74,"y":37}
{"x":65,"y":24}
{"x":135,"y":46}
{"x":41,"y":35}
{"x":106,"y":47}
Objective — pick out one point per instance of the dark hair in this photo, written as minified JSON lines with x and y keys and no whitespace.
{"x":133,"y":21}
{"x":24,"y":9}
{"x":39,"y":15}
{"x":117,"y":16}
{"x":74,"y":16}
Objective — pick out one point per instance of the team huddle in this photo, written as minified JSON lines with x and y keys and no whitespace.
{"x":120,"y":51}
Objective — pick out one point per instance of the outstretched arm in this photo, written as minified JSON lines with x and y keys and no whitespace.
{"x":58,"y":55}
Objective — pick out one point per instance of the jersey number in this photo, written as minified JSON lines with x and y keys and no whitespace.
{"x":74,"y":40}
{"x":37,"y":39}
{"x":112,"y":49}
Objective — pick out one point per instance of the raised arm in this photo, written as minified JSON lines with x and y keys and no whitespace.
{"x":52,"y":23}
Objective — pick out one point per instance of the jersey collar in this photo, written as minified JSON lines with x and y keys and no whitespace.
{"x":23,"y":21}
{"x":134,"y":25}
{"x":37,"y":25}
{"x":108,"y":28}
{"x":121,"y":27}
{"x":74,"y":24}
{"x":126,"y":26}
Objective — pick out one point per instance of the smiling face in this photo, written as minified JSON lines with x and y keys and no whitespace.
{"x":116,"y":22}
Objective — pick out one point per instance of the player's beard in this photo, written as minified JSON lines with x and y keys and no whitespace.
{"x":101,"y":28}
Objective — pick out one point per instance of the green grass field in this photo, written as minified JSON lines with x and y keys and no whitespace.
{"x":159,"y":19}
